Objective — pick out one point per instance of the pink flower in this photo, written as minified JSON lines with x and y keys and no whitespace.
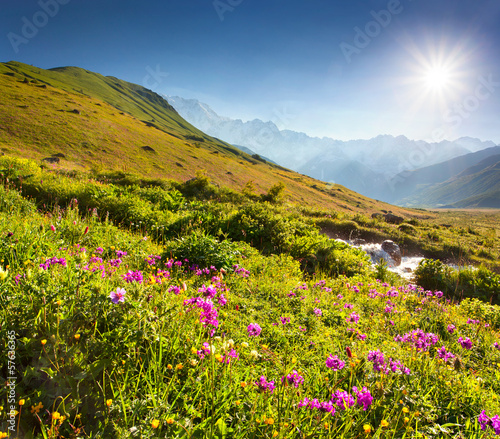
{"x":118,"y":295}
{"x":254,"y":329}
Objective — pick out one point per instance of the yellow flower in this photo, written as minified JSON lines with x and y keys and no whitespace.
{"x":405,"y":392}
{"x":326,"y":426}
{"x":169,"y":366}
{"x":244,"y":344}
{"x":3,"y":274}
{"x":294,"y":360}
{"x":170,"y":421}
{"x":21,"y":402}
{"x":44,"y":342}
{"x":194,"y":350}
{"x":3,"y":435}
{"x":155,"y":423}
{"x":406,"y":409}
{"x":406,"y":419}
{"x":243,"y":384}
{"x":238,"y":402}
{"x":269,"y":421}
{"x":384,"y":423}
{"x":367,"y":428}
{"x":56,"y":415}
{"x":109,"y":402}
{"x":179,"y":366}
{"x":275,"y":433}
{"x":77,"y":337}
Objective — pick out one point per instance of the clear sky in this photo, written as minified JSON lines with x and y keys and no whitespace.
{"x":349,"y":69}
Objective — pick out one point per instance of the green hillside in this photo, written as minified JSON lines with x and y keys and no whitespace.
{"x":102,"y":123}
{"x":478,"y":182}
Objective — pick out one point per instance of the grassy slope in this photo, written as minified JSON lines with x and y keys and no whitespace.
{"x":478,"y":180}
{"x":412,"y":183}
{"x":118,"y":118}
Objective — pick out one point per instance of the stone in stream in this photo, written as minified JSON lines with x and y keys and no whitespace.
{"x":393,"y":250}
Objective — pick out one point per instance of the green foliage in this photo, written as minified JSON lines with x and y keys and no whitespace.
{"x":467,"y":282}
{"x":408,"y":229}
{"x":148,"y":367}
{"x":205,"y":251}
{"x":275,"y":193}
{"x":18,"y":168}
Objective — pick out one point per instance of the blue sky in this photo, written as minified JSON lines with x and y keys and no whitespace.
{"x":345,"y":69}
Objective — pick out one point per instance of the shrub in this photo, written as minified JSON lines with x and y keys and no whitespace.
{"x":204,"y":250}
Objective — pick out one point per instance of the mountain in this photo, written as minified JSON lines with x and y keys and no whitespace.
{"x":367,"y":166}
{"x":476,"y":186}
{"x":72,"y":119}
{"x":408,"y":183}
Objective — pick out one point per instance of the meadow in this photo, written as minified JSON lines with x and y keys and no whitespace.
{"x":157,"y":309}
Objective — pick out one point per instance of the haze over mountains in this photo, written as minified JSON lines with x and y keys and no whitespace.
{"x":379,"y":167}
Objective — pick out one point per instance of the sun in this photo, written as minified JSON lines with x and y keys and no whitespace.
{"x":437,"y":78}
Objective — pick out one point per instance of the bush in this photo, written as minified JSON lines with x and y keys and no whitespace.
{"x":469,"y":282}
{"x":205,"y":251}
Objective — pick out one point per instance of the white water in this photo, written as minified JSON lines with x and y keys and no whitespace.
{"x":408,"y":263}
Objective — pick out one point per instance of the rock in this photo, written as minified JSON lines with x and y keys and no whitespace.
{"x":148,"y":149}
{"x":51,"y":159}
{"x":393,"y":219}
{"x":75,"y":111}
{"x":377,"y":215}
{"x":60,"y":155}
{"x":393,"y":250}
{"x":358,"y":241}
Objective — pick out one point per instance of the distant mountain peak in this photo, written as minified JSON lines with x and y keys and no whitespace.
{"x":374,"y":160}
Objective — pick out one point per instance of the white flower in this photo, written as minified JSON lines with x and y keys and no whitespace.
{"x":254,"y":354}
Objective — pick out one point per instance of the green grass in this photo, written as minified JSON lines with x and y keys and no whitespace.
{"x":96,"y":369}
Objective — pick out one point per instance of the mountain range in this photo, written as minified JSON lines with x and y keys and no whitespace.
{"x":380,"y":167}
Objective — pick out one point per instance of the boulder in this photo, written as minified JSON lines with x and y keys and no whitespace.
{"x":393,"y":219}
{"x":393,"y":250}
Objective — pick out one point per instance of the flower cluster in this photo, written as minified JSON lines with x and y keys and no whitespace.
{"x":341,"y":399}
{"x":444,"y":354}
{"x":322,"y":406}
{"x":133,"y":276}
{"x":380,"y":365}
{"x":152,"y":259}
{"x":254,"y":330}
{"x":353,"y":318}
{"x":53,"y":261}
{"x":209,"y":314}
{"x":241,"y":271}
{"x":419,"y":339}
{"x":264,"y":385}
{"x":293,"y":379}
{"x":466,"y":343}
{"x":335,"y":363}
{"x":485,"y":422}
